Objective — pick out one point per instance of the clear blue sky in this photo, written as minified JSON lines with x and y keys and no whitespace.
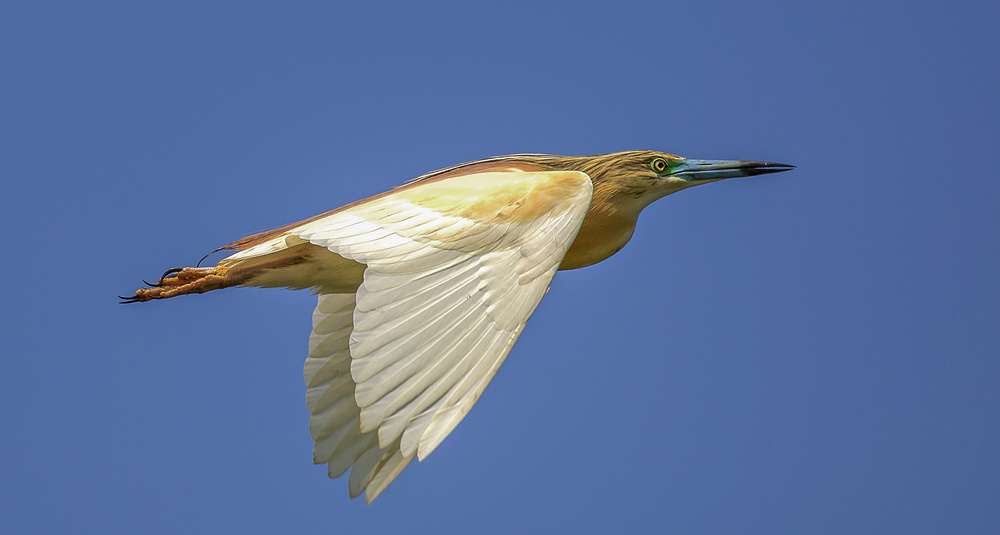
{"x":810,"y":352}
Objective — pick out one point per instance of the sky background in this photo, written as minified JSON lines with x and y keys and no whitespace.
{"x":810,"y":352}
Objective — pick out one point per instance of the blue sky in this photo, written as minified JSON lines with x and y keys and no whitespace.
{"x":809,"y":352}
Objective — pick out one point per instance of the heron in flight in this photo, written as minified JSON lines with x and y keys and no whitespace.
{"x":424,"y":289}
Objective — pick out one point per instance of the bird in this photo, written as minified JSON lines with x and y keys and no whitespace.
{"x":423,"y":290}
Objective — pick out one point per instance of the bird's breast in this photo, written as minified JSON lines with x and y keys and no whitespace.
{"x":602,"y":234}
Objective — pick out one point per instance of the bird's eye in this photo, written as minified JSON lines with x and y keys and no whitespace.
{"x":658,"y":165}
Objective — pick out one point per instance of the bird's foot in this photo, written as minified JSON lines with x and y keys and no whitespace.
{"x":181,"y":281}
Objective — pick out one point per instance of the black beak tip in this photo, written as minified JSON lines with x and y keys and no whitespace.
{"x":766,"y":168}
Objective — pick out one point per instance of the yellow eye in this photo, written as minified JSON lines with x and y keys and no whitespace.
{"x":658,"y":165}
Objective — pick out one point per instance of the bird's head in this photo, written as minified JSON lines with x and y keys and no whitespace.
{"x":627,"y":182}
{"x":645,"y":175}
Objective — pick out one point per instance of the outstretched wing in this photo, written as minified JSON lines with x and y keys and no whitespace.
{"x":454,"y":269}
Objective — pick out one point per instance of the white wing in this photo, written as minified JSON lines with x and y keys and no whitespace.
{"x":454,"y":270}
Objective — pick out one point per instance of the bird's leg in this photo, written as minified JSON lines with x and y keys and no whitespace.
{"x":198,"y":280}
{"x":182,"y":281}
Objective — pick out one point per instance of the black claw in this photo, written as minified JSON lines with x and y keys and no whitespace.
{"x":210,"y":254}
{"x":168,"y":273}
{"x":150,"y":284}
{"x":127,"y":300}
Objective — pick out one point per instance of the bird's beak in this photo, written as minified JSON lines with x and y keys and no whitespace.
{"x":697,"y":170}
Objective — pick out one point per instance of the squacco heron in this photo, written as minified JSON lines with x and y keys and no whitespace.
{"x":424,"y":289}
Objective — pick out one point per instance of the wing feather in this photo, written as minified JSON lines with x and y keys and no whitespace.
{"x":416,"y":432}
{"x":448,"y":287}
